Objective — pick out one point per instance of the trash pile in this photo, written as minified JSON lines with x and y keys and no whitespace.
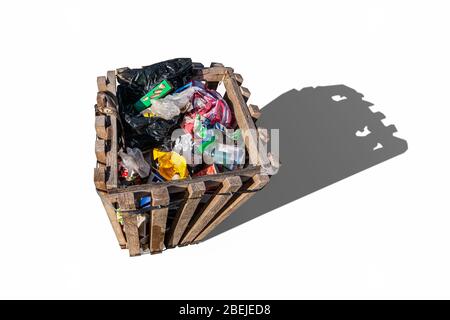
{"x":173,"y":127}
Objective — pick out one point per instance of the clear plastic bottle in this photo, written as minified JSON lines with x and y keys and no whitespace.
{"x":224,"y":154}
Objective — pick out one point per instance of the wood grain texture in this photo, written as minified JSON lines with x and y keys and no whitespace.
{"x":111,"y":82}
{"x":250,"y":171}
{"x":245,"y":93}
{"x":214,"y":84}
{"x":100,"y":150}
{"x":185,"y":213}
{"x":158,"y":219}
{"x":254,"y":111}
{"x":216,"y":64}
{"x":243,"y":118}
{"x":101,"y":83}
{"x":130,"y":227}
{"x":102,"y":128}
{"x":106,"y":126}
{"x":100,"y":178}
{"x":238,"y":77}
{"x":113,"y":220}
{"x":111,"y":156}
{"x":218,"y":200}
{"x":217,"y":70}
{"x":212,"y":74}
{"x":258,"y":182}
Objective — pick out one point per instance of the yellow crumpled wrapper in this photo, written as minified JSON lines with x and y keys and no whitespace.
{"x":171,"y":164}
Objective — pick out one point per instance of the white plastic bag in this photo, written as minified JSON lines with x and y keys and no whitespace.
{"x":172,"y":105}
{"x":134,"y":162}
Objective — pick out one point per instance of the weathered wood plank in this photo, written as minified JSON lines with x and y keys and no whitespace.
{"x":111,"y":82}
{"x":216,"y":64}
{"x":101,"y":84}
{"x":158,"y":219}
{"x":231,"y":184}
{"x":111,"y":156}
{"x":102,"y":128}
{"x":212,"y":74}
{"x":258,"y":182}
{"x":217,"y":70}
{"x":247,"y":172}
{"x":238,"y":77}
{"x":106,"y":128}
{"x":254,"y":111}
{"x":130,"y":227}
{"x":214,"y":84}
{"x":245,"y":93}
{"x":100,"y":150}
{"x":243,"y":118}
{"x":100,"y":178}
{"x":185,"y":213}
{"x":113,"y":220}
{"x":210,"y":77}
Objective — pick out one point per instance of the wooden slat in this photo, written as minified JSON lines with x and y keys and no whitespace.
{"x":126,"y":201}
{"x":243,"y":118}
{"x":238,"y":77}
{"x":113,"y":220}
{"x":212,"y":74}
{"x":259,"y":181}
{"x":210,"y":77}
{"x":229,"y":185}
{"x":185,"y":213}
{"x":100,"y":178}
{"x":106,"y":126}
{"x":214,"y":84}
{"x":217,"y":70}
{"x":245,"y":93}
{"x":158,"y":219}
{"x":102,"y":128}
{"x":111,"y":156}
{"x":101,"y":84}
{"x":216,"y":64}
{"x":100,"y":150}
{"x":250,"y":171}
{"x":111,"y":82}
{"x":254,"y":111}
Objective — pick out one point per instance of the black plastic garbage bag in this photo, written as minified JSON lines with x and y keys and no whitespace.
{"x":177,"y":71}
{"x":152,"y":132}
{"x":141,"y":132}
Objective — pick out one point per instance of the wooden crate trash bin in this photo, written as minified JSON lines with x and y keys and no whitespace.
{"x":202,"y":202}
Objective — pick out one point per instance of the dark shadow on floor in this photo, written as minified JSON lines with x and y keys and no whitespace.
{"x":318,"y":145}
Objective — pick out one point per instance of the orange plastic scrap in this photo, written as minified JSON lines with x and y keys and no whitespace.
{"x":172,"y":166}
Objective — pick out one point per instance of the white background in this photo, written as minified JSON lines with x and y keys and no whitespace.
{"x":383,"y":233}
